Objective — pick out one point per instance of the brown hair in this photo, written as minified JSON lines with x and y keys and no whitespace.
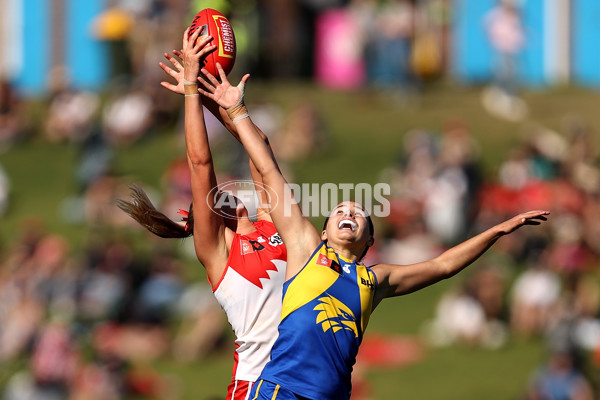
{"x":141,"y":209}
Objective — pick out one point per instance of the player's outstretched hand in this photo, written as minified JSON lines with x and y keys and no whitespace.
{"x":194,"y":52}
{"x":175,"y":71}
{"x":223,"y":93}
{"x":527,"y":218}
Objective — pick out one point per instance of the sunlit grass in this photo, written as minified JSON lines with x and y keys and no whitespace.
{"x":366,"y":135}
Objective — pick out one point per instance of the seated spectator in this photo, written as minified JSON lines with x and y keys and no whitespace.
{"x":127,"y":115}
{"x":71,"y":114}
{"x":474,"y":314}
{"x":54,"y":359}
{"x":4,"y":191}
{"x":99,"y":199}
{"x":158,"y":294}
{"x":12,"y":118}
{"x":559,"y":378}
{"x":177,"y":188}
{"x":302,"y":133}
{"x":535,"y":295}
{"x":459,"y":318}
{"x":202,"y":323}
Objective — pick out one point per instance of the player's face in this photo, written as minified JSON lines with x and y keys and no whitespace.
{"x":348,"y":222}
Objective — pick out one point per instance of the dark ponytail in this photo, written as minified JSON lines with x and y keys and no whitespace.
{"x":141,"y":209}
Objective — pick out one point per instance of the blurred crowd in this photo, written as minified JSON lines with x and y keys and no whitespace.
{"x":88,"y":325}
{"x":535,"y":284}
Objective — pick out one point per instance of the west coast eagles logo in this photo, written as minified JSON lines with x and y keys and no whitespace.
{"x":333,"y":314}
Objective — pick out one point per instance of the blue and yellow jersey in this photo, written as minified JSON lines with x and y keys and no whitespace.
{"x":326,"y":308}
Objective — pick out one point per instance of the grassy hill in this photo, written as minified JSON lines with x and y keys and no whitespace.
{"x":366,"y":131}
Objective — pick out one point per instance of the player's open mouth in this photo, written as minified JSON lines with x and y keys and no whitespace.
{"x":347,"y":224}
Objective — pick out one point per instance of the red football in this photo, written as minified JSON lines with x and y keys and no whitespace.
{"x":213,"y":23}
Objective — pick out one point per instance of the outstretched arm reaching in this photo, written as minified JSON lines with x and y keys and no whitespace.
{"x":209,"y":228}
{"x":298,"y":234}
{"x":396,"y":280}
{"x":176,"y":71}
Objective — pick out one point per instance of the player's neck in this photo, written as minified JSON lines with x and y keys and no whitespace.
{"x":244,"y":226}
{"x":346,"y":253}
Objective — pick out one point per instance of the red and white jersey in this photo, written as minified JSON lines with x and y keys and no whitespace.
{"x":250,"y":293}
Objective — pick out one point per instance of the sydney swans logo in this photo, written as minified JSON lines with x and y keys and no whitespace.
{"x":333,"y":314}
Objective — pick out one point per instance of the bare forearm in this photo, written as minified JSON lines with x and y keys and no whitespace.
{"x":460,"y":256}
{"x":396,"y":280}
{"x":222,"y":116}
{"x":196,"y":140}
{"x":402,"y":279}
{"x":465,"y":253}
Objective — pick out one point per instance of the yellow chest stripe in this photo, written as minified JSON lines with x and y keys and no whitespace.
{"x":307,"y":285}
{"x":366,"y":293}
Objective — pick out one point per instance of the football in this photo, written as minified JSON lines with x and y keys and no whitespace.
{"x":213,"y":23}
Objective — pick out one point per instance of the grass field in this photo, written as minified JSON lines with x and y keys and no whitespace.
{"x":363,"y":126}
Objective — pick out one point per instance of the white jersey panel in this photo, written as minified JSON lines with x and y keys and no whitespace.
{"x":254,"y":314}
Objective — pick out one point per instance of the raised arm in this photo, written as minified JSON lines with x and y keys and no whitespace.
{"x":176,"y":71}
{"x":209,"y":227}
{"x":298,"y":234}
{"x":396,"y":280}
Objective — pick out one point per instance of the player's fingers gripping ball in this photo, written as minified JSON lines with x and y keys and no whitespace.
{"x":213,"y":23}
